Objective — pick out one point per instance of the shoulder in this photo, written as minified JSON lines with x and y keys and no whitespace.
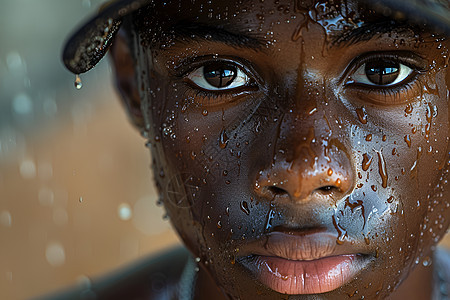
{"x":155,"y":277}
{"x":442,"y":267}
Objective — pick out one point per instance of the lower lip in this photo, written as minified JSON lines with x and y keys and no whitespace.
{"x":294,"y":277}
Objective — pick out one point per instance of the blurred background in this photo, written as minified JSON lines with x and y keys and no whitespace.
{"x":76,"y":194}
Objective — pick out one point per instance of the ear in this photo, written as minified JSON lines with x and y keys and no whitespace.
{"x":124,"y":64}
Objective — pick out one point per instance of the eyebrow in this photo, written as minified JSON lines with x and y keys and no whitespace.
{"x":190,"y":31}
{"x":369,"y":30}
{"x":186,"y":31}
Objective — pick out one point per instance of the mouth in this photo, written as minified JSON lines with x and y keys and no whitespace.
{"x":294,"y":264}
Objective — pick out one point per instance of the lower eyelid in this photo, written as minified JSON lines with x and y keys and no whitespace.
{"x":402,"y":94}
{"x":209,"y":99}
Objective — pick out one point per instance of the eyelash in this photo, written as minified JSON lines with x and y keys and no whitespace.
{"x":211,"y":98}
{"x":377,"y":94}
{"x":387,"y":94}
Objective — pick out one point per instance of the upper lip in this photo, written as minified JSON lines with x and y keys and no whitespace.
{"x":296,"y":245}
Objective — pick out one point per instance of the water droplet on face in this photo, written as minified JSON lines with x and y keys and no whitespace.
{"x":312,"y":111}
{"x":223,"y":139}
{"x":244,"y":207}
{"x":78,"y":84}
{"x":367,"y":160}
{"x":219,"y":224}
{"x":80,"y":199}
{"x":408,"y":140}
{"x":427,"y":261}
{"x":193,"y":155}
{"x":382,"y":169}
{"x":270,"y":216}
{"x":362,"y":115}
{"x":409,"y":109}
{"x":341,"y":232}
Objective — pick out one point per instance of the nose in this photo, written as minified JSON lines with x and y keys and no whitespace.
{"x":308,"y":168}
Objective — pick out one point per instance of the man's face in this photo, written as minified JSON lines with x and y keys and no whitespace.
{"x":299,"y":147}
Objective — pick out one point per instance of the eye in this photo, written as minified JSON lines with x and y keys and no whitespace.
{"x":218,"y":76}
{"x":381,"y":73}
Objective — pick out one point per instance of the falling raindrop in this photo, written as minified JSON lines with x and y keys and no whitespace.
{"x":84,"y":282}
{"x":124,"y":211}
{"x":5,"y":218}
{"x":78,"y":83}
{"x":55,"y":254}
{"x":86,"y":3}
{"x":28,"y":169}
{"x":46,"y":196}
{"x":22,"y":104}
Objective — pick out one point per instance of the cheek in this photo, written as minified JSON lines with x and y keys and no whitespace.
{"x":404,"y":162}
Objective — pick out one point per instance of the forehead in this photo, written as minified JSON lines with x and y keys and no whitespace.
{"x":230,"y":10}
{"x":253,"y":14}
{"x":256,"y":21}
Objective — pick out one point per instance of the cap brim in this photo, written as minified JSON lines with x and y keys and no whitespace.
{"x":434,"y":13}
{"x":87,"y":46}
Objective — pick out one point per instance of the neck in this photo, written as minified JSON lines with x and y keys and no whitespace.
{"x":206,"y":288}
{"x":418,"y":285}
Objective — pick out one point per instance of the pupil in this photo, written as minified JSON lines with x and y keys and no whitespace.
{"x":219,"y":75}
{"x":382,"y":72}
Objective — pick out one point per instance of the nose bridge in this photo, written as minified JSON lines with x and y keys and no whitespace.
{"x":314,"y":159}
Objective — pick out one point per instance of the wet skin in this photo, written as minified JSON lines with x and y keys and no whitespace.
{"x":308,"y":142}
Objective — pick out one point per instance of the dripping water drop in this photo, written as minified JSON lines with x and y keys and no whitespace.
{"x":78,"y":83}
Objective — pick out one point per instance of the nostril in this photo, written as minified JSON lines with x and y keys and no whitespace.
{"x":328,"y":189}
{"x":276,"y":190}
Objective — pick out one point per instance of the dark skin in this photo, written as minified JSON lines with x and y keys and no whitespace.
{"x":306,"y":138}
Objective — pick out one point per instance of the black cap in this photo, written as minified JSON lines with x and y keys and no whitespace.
{"x":87,"y":46}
